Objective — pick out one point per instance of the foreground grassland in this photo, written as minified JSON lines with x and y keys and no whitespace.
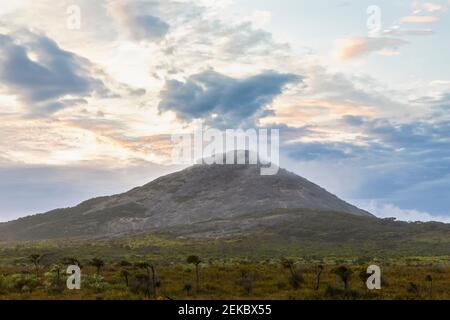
{"x":159,"y":267}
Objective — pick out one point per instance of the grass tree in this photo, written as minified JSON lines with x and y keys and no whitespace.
{"x":246,"y":281}
{"x":144,"y":283}
{"x":124,"y":273}
{"x":98,"y":264}
{"x":56,"y":268}
{"x":195,"y":260}
{"x":413,"y":288}
{"x":288,"y":264}
{"x":319,"y":271}
{"x":344,"y":274}
{"x":363,"y":275}
{"x":72,"y":261}
{"x":429,"y":279}
{"x":36,"y":260}
{"x":295,"y":279}
{"x":125,"y":263}
{"x":187,"y":287}
{"x":151,"y":273}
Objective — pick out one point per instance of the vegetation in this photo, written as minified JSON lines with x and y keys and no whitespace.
{"x":196,"y":262}
{"x":163,"y":267}
{"x":227,"y":279}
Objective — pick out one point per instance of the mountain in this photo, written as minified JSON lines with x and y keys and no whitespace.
{"x":219,"y":198}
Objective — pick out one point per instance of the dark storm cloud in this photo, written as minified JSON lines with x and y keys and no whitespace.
{"x":223,"y":101}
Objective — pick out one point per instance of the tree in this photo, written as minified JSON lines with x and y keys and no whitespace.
{"x":195,"y":260}
{"x":413,"y":288}
{"x":318,"y":274}
{"x":187,"y":287}
{"x":125,"y":263}
{"x":150,"y":268}
{"x":98,"y":264}
{"x":143,"y":281}
{"x":56,"y":268}
{"x":344,"y":274}
{"x":125,"y":274}
{"x":363,"y":275}
{"x":288,"y":264}
{"x":296,"y":279}
{"x":429,"y":279}
{"x":72,"y":261}
{"x":246,"y":281}
{"x":36,"y":260}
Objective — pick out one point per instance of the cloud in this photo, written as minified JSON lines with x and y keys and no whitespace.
{"x":353,"y":120}
{"x":207,"y":36}
{"x":139,"y":25}
{"x":342,"y":93}
{"x":260,"y":18}
{"x":321,"y":150}
{"x":149,"y":27}
{"x":243,"y":39}
{"x":416,"y":136}
{"x":34,"y":68}
{"x":410,"y":32}
{"x":440,"y":100}
{"x":419,"y":19}
{"x":429,"y":6}
{"x":325,"y":96}
{"x":223,"y":101}
{"x":388,"y":210}
{"x":363,"y":155}
{"x":433,"y":7}
{"x":405,"y":164}
{"x":351,"y":48}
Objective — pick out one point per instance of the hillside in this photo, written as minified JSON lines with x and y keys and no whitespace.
{"x":300,"y":233}
{"x":218,"y":196}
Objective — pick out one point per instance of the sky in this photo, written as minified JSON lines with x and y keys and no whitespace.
{"x":91,"y":92}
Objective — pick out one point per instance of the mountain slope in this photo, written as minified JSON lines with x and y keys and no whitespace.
{"x":199,"y":194}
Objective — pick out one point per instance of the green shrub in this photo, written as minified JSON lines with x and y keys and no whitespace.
{"x":96,"y":283}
